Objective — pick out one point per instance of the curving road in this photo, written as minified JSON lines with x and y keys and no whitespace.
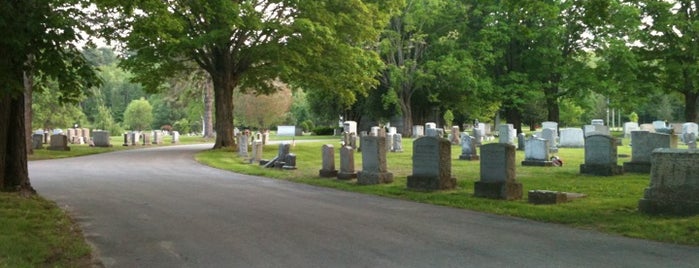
{"x":157,"y":207}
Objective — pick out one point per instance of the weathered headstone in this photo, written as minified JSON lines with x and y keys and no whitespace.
{"x":644,"y":143}
{"x":374,"y":131}
{"x":389,"y":142}
{"x":243,"y":145}
{"x":539,"y":197}
{"x":349,"y":126}
{"x":600,"y":156}
{"x":70,"y":135}
{"x":86,"y":134}
{"x":507,"y":134}
{"x":158,"y":137}
{"x":536,"y":153}
{"x":550,"y":135}
{"x":630,"y":126}
{"x":469,"y":149}
{"x":59,"y":142}
{"x":687,"y":128}
{"x":549,"y":124}
{"x":374,"y":168}
{"x":418,"y":131}
{"x":572,"y":138}
{"x":659,"y":124}
{"x":145,"y":138}
{"x":677,"y":128}
{"x":257,"y":148}
{"x":135,"y":135}
{"x":290,"y":162}
{"x":431,"y":165}
{"x":478,"y":136}
{"x":347,"y":171}
{"x":101,"y":138}
{"x":497,"y":179}
{"x":127,"y":139}
{"x":175,"y":137}
{"x":598,"y":122}
{"x":691,"y":139}
{"x":674,"y":183}
{"x":455,"y":136}
{"x":397,"y":143}
{"x":431,"y":130}
{"x":647,"y":127}
{"x":596,"y":130}
{"x":37,"y":141}
{"x":328,"y":165}
{"x":521,"y":141}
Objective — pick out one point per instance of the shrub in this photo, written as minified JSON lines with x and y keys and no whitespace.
{"x":324,"y":131}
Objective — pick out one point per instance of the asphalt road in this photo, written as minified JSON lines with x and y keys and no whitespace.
{"x":157,"y":207}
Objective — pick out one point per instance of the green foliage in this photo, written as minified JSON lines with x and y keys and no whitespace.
{"x":183,"y":126}
{"x":105,"y":121}
{"x":138,"y":115}
{"x":571,"y":114}
{"x":448,"y":118}
{"x":49,"y":112}
{"x":633,"y":117}
{"x":323,"y":131}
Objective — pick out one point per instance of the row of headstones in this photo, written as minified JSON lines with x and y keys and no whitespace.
{"x":284,"y":158}
{"x":687,"y":132}
{"x":155,"y":137}
{"x":59,"y":140}
{"x":674,"y":186}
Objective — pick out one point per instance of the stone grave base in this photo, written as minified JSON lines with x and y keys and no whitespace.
{"x":637,"y":167}
{"x":498,"y":190}
{"x":676,"y":201}
{"x":66,"y":148}
{"x":346,"y":175}
{"x":327,"y":173}
{"x":601,"y":170}
{"x":539,"y":197}
{"x":469,"y":157}
{"x":537,"y":163}
{"x":368,"y":178}
{"x":421,"y":183}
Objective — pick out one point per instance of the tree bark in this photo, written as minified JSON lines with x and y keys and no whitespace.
{"x":407,"y":111}
{"x":224,"y":84}
{"x":514,"y":117}
{"x":208,"y":109}
{"x":14,"y":174}
{"x":552,"y":107}
{"x":28,"y":92}
{"x":690,"y":106}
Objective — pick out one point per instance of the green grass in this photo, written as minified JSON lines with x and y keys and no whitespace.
{"x":36,"y":233}
{"x":610,"y":205}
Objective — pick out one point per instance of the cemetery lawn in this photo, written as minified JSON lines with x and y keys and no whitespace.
{"x":611,"y":204}
{"x":36,"y":233}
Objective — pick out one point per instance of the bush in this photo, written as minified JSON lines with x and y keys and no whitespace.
{"x":324,"y":131}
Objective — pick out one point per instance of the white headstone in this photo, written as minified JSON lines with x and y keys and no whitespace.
{"x":572,"y":138}
{"x":536,"y":149}
{"x":549,"y":124}
{"x":599,"y":122}
{"x":688,"y":128}
{"x":350,"y":126}
{"x":550,"y":135}
{"x":659,"y":124}
{"x":630,"y":126}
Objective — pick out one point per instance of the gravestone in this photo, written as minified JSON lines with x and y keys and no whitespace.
{"x":431,"y":165}
{"x":691,"y":139}
{"x":397,"y":143}
{"x":145,"y":138}
{"x":430,"y":125}
{"x":598,"y":122}
{"x":328,"y":165}
{"x":257,"y":148}
{"x":353,"y":140}
{"x":59,"y":142}
{"x":175,"y":137}
{"x":86,"y":134}
{"x":135,"y":138}
{"x":572,"y":138}
{"x":507,"y":134}
{"x":374,"y":168}
{"x":596,"y":130}
{"x":431,"y":130}
{"x":418,"y":131}
{"x":674,"y":183}
{"x":347,"y":171}
{"x":455,"y":136}
{"x":647,"y":127}
{"x":349,"y":126}
{"x":549,"y":124}
{"x":278,"y":161}
{"x":70,"y":135}
{"x":630,"y":126}
{"x":374,"y":131}
{"x":290,"y":162}
{"x":127,"y":139}
{"x":487,"y":131}
{"x":687,"y":128}
{"x":478,"y":136}
{"x":101,"y":138}
{"x":536,"y":153}
{"x":601,"y":156}
{"x":497,"y":179}
{"x":469,"y":149}
{"x":157,"y":137}
{"x":389,"y":142}
{"x":644,"y":143}
{"x":659,"y":124}
{"x":243,"y":145}
{"x":392,"y":130}
{"x":37,"y":141}
{"x":521,"y":139}
{"x":550,"y":135}
{"x":677,"y":128}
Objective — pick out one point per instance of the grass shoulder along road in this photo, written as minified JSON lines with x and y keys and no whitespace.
{"x":611,"y":204}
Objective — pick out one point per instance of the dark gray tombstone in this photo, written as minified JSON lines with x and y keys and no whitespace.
{"x":374,"y":168}
{"x":145,"y":138}
{"x":497,"y":178}
{"x":397,"y":143}
{"x":431,"y":165}
{"x":601,"y":156}
{"x":347,"y":171}
{"x":521,"y":140}
{"x":59,"y":142}
{"x":37,"y":141}
{"x":328,"y":169}
{"x":674,"y":183}
{"x":290,"y":162}
{"x":243,"y":145}
{"x":100,"y":138}
{"x":127,"y":139}
{"x":644,"y":143}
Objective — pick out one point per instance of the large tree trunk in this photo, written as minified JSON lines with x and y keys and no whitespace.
{"x":690,"y":106}
{"x":514,"y":117}
{"x":552,"y":107}
{"x":224,"y":84}
{"x":28,"y":91}
{"x":407,"y":111}
{"x":208,"y":109}
{"x":14,"y":175}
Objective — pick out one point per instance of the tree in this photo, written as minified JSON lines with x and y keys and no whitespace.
{"x":245,"y":44}
{"x":669,"y":50}
{"x":49,"y":112}
{"x":264,"y":111}
{"x":138,"y":115}
{"x":37,"y":43}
